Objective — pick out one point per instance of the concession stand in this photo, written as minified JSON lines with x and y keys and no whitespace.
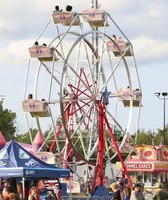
{"x":148,"y":164}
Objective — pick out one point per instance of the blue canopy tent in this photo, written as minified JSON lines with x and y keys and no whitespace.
{"x":15,"y":161}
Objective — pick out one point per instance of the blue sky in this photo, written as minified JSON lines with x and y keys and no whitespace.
{"x":144,"y":23}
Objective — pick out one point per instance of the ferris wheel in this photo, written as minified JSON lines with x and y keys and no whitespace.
{"x":84,"y":84}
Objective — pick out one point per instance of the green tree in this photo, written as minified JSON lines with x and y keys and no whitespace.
{"x":7,"y":122}
{"x":159,"y":136}
{"x":26,"y":138}
{"x":144,"y":137}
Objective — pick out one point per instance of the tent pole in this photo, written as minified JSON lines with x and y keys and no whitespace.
{"x":23,"y":187}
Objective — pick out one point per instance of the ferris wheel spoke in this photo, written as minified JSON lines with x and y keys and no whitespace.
{"x":111,"y":75}
{"x":114,"y":119}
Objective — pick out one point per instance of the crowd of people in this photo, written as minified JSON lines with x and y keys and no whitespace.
{"x":121,"y":191}
{"x":12,"y":190}
{"x":9,"y":191}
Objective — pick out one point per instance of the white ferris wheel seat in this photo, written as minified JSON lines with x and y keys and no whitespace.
{"x":95,"y":17}
{"x":126,"y":95}
{"x":66,"y":18}
{"x":119,"y":47}
{"x":43,"y":53}
{"x":37,"y":108}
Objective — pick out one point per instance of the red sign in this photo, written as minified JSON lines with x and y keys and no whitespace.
{"x":141,"y":166}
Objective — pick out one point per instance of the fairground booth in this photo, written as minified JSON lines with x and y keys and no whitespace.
{"x":27,"y":169}
{"x":148,"y":164}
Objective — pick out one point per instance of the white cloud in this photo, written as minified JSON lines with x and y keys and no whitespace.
{"x":150,"y":50}
{"x":15,"y":53}
{"x":158,"y":10}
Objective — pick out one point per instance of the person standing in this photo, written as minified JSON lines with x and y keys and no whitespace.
{"x":13,"y":196}
{"x":161,"y":194}
{"x":137,"y":193}
{"x":5,"y":183}
{"x":32,"y":193}
{"x":127,"y":193}
{"x":6,"y":191}
{"x":117,"y":193}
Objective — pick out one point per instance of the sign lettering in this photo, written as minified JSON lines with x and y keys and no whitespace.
{"x":139,"y":166}
{"x":31,"y":162}
{"x":2,"y":163}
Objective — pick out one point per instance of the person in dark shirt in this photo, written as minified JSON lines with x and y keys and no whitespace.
{"x":161,"y":194}
{"x":117,"y":193}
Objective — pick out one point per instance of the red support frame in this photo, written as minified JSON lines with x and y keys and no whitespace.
{"x":118,"y":151}
{"x":101,"y":144}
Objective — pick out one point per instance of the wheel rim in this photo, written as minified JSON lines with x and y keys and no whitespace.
{"x":84,"y":90}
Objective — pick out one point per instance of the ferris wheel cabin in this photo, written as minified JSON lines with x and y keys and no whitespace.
{"x":119,"y":47}
{"x":126,"y":95}
{"x":95,"y":17}
{"x":65,"y":18}
{"x":37,"y":108}
{"x":42,"y":52}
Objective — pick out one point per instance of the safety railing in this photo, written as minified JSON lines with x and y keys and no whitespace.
{"x":86,"y":198}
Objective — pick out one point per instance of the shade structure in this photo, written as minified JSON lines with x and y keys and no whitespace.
{"x":15,"y":161}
